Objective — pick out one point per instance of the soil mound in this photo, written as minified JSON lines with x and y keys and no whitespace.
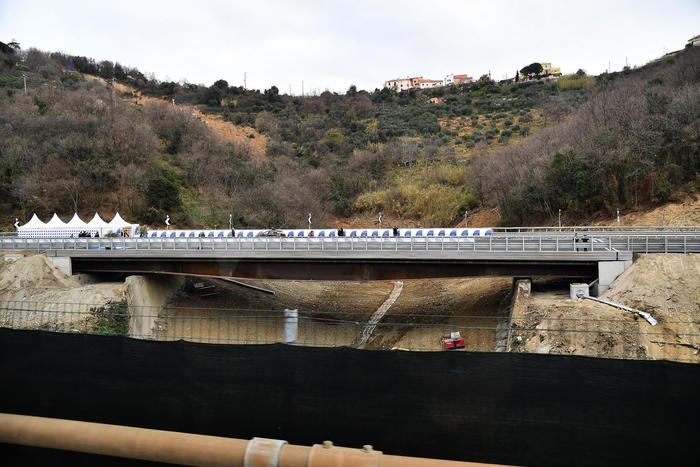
{"x":42,"y":286}
{"x":32,"y":272}
{"x":665,"y":285}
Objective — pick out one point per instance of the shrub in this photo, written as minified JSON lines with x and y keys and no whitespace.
{"x":113,"y":319}
{"x":162,"y":193}
{"x":574,"y":81}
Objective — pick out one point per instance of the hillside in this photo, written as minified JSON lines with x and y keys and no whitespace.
{"x":518,"y":152}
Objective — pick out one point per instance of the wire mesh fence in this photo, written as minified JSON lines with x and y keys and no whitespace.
{"x":629,"y":338}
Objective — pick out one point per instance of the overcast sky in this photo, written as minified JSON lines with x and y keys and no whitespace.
{"x":333,"y":44}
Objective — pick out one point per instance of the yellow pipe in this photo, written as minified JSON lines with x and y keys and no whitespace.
{"x":190,"y":449}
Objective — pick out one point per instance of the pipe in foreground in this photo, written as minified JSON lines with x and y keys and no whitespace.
{"x":191,"y":449}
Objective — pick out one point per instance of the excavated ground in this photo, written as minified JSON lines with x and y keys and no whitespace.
{"x":334,"y":313}
{"x":665,"y":285}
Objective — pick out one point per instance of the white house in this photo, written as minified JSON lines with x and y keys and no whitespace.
{"x":400,"y":84}
{"x":429,"y":83}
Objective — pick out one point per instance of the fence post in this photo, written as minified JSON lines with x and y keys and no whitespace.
{"x":291,"y":326}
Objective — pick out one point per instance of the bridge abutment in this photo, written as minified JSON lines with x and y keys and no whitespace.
{"x":608,"y":272}
{"x":146,"y":296}
{"x":64,"y":263}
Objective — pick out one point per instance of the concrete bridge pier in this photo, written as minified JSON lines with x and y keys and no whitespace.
{"x":64,"y":263}
{"x":608,"y":272}
{"x":147,"y":294}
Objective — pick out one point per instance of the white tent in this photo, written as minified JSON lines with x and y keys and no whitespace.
{"x":56,"y":228}
{"x":96,"y":222}
{"x":55,"y":222}
{"x":34,"y":223}
{"x":76,"y":222}
{"x":119,"y":225}
{"x":76,"y":226}
{"x":32,"y":229}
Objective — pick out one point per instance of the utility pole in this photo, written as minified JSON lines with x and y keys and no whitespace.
{"x":290,"y":89}
{"x":24,"y":76}
{"x":245,"y":80}
{"x":302,"y":88}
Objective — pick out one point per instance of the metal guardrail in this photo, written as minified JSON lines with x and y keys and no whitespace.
{"x":599,"y":228}
{"x":687,"y":242}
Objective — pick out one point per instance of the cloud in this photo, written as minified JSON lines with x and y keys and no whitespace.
{"x":335,"y":44}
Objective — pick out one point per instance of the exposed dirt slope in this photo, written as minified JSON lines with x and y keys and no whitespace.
{"x":228,"y":131}
{"x":686,"y":212}
{"x":36,"y":282}
{"x":335,"y":312}
{"x":665,"y":285}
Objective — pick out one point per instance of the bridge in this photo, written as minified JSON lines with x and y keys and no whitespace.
{"x":579,"y":255}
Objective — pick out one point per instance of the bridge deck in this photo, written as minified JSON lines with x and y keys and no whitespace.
{"x":342,"y":265}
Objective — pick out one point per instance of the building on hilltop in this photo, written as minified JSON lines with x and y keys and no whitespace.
{"x":429,"y":83}
{"x":456,"y":79}
{"x":548,"y":70}
{"x":402,"y":84}
{"x":694,"y":41}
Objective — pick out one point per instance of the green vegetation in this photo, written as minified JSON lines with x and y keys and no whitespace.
{"x":575,"y":81}
{"x":113,"y":319}
{"x":530,"y":148}
{"x":635,"y":141}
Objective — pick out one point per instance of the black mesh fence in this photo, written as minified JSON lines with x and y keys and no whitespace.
{"x":510,"y":408}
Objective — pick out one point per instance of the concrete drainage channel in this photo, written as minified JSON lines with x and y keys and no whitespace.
{"x":371,"y":325}
{"x":581,"y":292}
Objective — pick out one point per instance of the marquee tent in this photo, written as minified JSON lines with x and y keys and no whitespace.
{"x":121,"y":227}
{"x":56,"y":228}
{"x":31,"y":229}
{"x":97,"y":225}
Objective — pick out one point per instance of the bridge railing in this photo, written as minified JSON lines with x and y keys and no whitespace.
{"x":599,"y":228}
{"x":625,"y":337}
{"x":686,"y":242}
